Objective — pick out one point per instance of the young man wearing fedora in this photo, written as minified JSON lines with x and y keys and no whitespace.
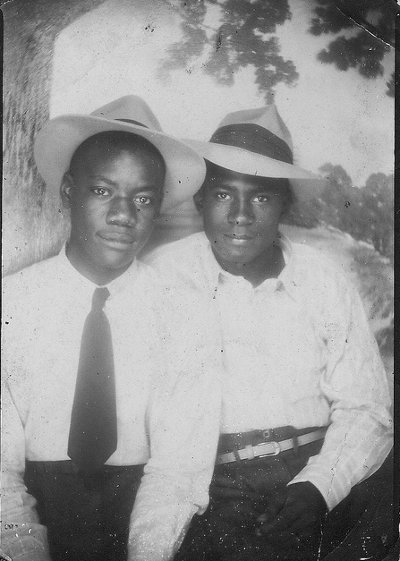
{"x":305,"y":407}
{"x":103,"y":373}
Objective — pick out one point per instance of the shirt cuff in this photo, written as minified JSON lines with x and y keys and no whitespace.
{"x":160,"y":539}
{"x":327,"y":484}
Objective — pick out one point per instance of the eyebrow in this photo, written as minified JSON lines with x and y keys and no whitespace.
{"x":256,"y":189}
{"x":220,"y":185}
{"x":102,"y":178}
{"x":150,"y":187}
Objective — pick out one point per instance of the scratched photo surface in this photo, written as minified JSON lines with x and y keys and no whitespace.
{"x":329,"y":67}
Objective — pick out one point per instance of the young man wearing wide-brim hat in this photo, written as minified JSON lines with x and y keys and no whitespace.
{"x":102,"y":374}
{"x":306,"y":406}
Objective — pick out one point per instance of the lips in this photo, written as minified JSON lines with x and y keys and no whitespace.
{"x":117,"y":238}
{"x":239,"y":237}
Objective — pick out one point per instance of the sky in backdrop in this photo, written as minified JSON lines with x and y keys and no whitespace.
{"x":117,"y":49}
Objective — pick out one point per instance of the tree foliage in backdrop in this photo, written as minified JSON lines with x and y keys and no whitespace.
{"x":243,"y":37}
{"x":368,"y":28}
{"x":366,"y":213}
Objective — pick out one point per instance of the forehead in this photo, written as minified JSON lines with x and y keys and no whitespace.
{"x":221,"y":177}
{"x":99,"y":157}
{"x":105,"y":148}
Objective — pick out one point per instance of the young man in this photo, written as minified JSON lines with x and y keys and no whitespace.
{"x":103,"y":371}
{"x":305,"y":408}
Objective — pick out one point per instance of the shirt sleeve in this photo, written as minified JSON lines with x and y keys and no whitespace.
{"x":355,"y":384}
{"x":183,"y":420}
{"x":23,"y":538}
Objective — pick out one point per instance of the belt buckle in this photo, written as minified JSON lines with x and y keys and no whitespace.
{"x":267,"y":434}
{"x":277,"y":449}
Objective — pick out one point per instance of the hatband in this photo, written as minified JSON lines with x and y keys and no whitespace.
{"x":254,"y":138}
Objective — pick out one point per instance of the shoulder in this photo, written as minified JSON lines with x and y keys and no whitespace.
{"x":313,"y":266}
{"x":146,"y":289}
{"x":180,"y":270}
{"x":33,"y":272}
{"x":28,"y":306}
{"x":322,"y":283}
{"x":147,"y":274}
{"x":185,"y":261}
{"x":185,"y":249}
{"x":30,"y":283}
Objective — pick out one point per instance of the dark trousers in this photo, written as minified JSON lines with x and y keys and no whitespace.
{"x":364,"y":524}
{"x":87,"y":517}
{"x":241,"y":491}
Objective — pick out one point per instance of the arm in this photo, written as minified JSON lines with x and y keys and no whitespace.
{"x":360,"y":434}
{"x":183,"y":430}
{"x":355,"y":384}
{"x":23,"y":538}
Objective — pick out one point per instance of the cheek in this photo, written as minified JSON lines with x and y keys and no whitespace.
{"x":268,"y":217}
{"x":87,"y":216}
{"x":146,"y":217}
{"x":215,"y":215}
{"x":79,"y":214}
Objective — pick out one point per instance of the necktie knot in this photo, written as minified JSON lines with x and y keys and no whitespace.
{"x":100,"y":296}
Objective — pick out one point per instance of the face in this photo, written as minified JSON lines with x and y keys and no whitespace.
{"x":114,"y":196}
{"x":241,"y":216}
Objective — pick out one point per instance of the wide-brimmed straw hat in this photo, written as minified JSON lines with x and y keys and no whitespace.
{"x":257,"y":142}
{"x":60,"y":137}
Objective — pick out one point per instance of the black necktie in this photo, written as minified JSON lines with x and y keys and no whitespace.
{"x":93,"y":431}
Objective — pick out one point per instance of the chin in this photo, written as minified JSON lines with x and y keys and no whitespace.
{"x":115,"y":262}
{"x":237,"y":256}
{"x":117,"y":265}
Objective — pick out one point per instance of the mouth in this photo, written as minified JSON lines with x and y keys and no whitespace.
{"x":117,"y":239}
{"x":239,"y":238}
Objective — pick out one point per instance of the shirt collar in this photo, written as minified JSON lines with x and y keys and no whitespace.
{"x":285,"y":280}
{"x":73,"y":276}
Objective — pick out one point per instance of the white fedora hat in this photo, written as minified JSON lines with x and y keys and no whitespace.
{"x":257,"y":142}
{"x":60,"y":137}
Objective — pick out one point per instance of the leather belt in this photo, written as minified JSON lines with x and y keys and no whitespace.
{"x":68,"y":467}
{"x":270,"y":448}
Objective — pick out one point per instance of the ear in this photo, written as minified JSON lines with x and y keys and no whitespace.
{"x":198,"y":199}
{"x":66,"y":189}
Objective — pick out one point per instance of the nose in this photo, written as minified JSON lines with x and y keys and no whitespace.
{"x":241,"y":213}
{"x":122,"y":212}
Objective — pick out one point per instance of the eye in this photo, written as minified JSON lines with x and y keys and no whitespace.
{"x":143,"y":200}
{"x":100,"y":191}
{"x":222,"y":196}
{"x":262,"y":198}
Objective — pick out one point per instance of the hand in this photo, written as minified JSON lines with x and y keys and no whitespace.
{"x":302,"y":511}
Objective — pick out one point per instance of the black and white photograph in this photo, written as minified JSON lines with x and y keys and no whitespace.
{"x":198,"y":281}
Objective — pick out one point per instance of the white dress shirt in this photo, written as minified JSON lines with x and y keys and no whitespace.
{"x":166,"y":374}
{"x":297,"y":351}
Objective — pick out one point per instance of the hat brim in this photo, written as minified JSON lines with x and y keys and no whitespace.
{"x":305,"y":184}
{"x":60,"y":137}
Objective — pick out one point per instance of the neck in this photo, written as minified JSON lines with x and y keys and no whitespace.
{"x":267,"y":265}
{"x":95,"y":275}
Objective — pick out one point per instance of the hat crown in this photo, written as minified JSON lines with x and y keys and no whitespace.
{"x":131,"y":109}
{"x":266,"y":117}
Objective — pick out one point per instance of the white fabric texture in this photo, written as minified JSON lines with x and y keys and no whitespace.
{"x":167,"y":393}
{"x":297,"y":351}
